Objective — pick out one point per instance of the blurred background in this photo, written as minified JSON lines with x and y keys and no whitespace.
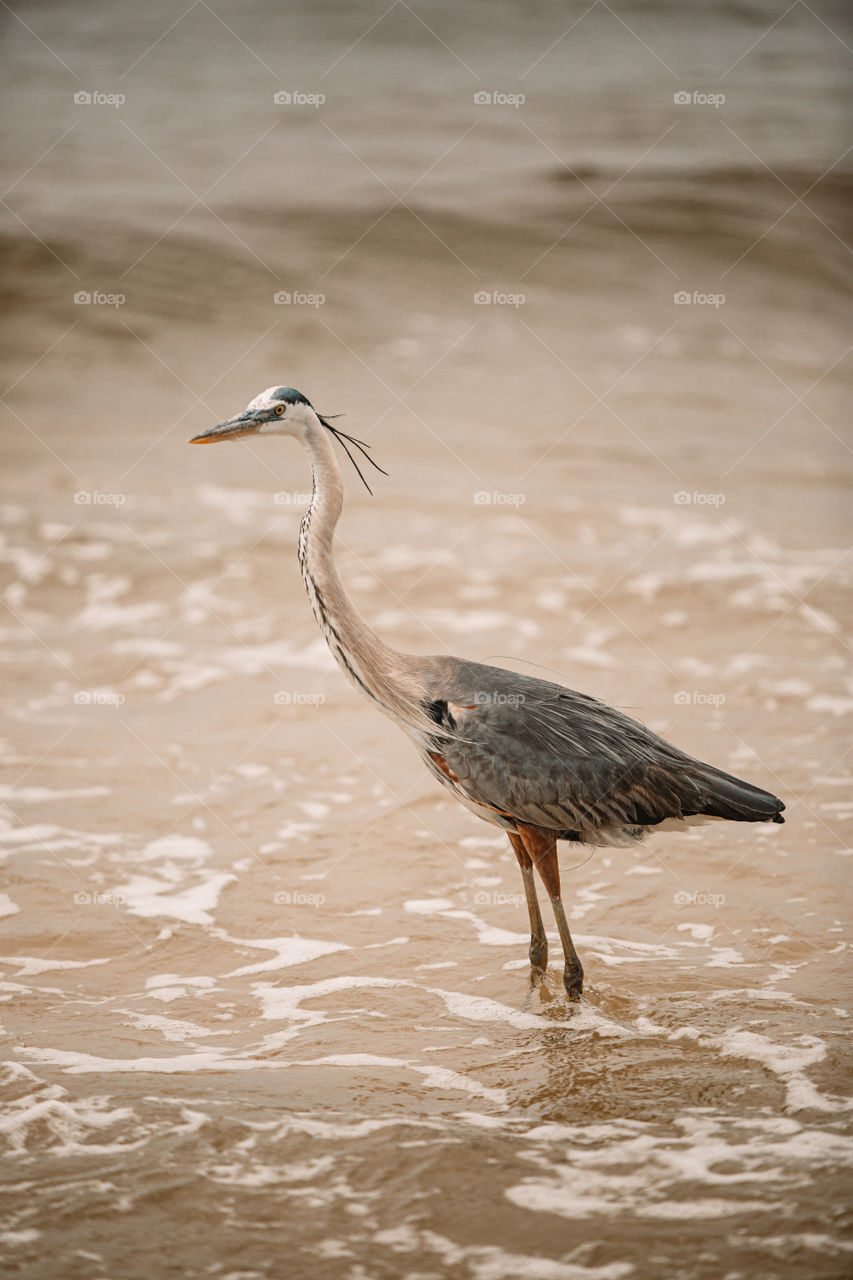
{"x":579,"y":273}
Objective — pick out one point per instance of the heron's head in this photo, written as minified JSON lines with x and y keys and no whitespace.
{"x":278,"y":411}
{"x":283,"y":411}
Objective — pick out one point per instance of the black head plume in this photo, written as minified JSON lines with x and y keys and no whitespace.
{"x":361,"y":445}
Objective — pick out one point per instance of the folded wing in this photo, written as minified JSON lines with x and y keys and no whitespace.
{"x":555,"y":758}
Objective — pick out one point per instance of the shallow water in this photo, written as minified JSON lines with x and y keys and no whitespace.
{"x":265,"y":989}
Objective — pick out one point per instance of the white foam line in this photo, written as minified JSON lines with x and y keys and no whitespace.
{"x":171,"y":1028}
{"x":212,"y":1060}
{"x":150,"y":897}
{"x":434,"y":1077}
{"x":35,"y":795}
{"x":618,"y":1167}
{"x":65,"y":1117}
{"x":284,"y":1004}
{"x":175,"y":848}
{"x":52,"y":838}
{"x":788,"y":1062}
{"x":11,"y":1239}
{"x":488,"y":1262}
{"x":30,"y":966}
{"x":288,"y":951}
{"x":87,"y":1063}
{"x":491,"y":936}
{"x":482,"y":1009}
{"x":755,"y":993}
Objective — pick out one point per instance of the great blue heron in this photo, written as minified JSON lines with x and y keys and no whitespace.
{"x":537,"y":759}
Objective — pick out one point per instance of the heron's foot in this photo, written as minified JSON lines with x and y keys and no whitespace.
{"x":538,"y":984}
{"x":573,"y":981}
{"x":545,"y":995}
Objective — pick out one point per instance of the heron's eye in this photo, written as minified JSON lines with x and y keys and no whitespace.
{"x":279,"y":410}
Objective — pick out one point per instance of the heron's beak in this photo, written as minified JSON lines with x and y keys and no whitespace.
{"x":245,"y":424}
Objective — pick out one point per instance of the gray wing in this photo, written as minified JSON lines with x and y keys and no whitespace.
{"x":551,"y":757}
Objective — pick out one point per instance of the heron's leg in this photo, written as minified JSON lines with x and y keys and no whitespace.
{"x":538,"y":941}
{"x":541,"y":847}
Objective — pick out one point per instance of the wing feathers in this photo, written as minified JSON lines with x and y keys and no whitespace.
{"x":559,"y":759}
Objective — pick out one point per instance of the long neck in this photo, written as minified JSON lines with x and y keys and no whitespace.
{"x":385,"y":676}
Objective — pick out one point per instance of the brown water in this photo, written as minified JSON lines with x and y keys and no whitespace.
{"x":266,"y":995}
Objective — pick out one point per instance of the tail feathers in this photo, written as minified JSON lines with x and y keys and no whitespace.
{"x":739,"y":801}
